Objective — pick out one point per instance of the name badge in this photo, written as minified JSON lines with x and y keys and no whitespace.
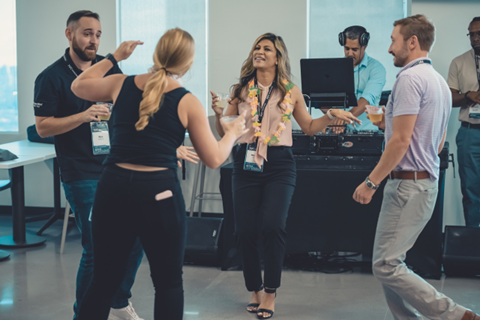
{"x":100,"y":137}
{"x":474,"y":112}
{"x":249,"y":164}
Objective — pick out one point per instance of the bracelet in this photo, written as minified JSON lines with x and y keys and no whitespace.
{"x":112,"y":59}
{"x":330,"y":115}
{"x":466,"y":96}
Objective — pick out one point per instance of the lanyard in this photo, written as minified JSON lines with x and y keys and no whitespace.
{"x":70,"y":67}
{"x":421,"y":62}
{"x":262,"y":108}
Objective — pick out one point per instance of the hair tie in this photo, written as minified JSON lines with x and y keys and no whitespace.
{"x":164,"y":69}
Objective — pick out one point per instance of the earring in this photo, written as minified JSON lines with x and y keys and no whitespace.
{"x":276,"y":63}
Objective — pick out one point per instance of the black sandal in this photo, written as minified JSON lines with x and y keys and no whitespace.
{"x":270,"y":312}
{"x":254,"y":305}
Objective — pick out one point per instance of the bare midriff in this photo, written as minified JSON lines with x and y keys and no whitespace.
{"x":139,"y":167}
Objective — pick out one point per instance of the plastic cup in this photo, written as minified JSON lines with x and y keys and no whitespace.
{"x":223,"y":102}
{"x":110,"y":107}
{"x":229,"y":119}
{"x":375,"y":113}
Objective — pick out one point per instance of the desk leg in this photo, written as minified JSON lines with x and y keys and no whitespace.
{"x":19,"y":238}
{"x":57,"y":214}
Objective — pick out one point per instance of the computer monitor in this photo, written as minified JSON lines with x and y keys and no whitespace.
{"x":329,"y":82}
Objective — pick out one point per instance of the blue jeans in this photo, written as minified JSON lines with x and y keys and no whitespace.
{"x":80,"y":196}
{"x":468,"y":154}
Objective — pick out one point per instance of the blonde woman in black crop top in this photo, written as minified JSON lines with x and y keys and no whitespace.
{"x":139,"y":194}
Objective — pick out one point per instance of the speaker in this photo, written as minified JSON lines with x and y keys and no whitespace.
{"x":461,"y":252}
{"x":203,"y":240}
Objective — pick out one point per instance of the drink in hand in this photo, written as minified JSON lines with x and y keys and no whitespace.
{"x":223,"y":100}
{"x":222,"y":103}
{"x":376,"y":117}
{"x":107,"y":117}
{"x":375,"y":113}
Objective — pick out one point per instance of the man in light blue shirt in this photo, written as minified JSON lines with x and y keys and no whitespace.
{"x":369,"y":74}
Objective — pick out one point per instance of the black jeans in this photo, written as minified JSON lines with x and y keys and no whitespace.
{"x":261,"y":201}
{"x":125,"y":208}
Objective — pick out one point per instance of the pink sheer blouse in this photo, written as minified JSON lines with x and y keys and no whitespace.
{"x":271,"y":120}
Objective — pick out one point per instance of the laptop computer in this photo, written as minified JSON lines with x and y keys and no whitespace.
{"x":329,"y":82}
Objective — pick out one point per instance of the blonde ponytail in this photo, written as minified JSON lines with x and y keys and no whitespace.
{"x":150,"y":104}
{"x":173,"y":55}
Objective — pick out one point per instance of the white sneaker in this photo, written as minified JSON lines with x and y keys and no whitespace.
{"x":127,"y":313}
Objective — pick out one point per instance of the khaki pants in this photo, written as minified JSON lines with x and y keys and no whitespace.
{"x":407,"y":207}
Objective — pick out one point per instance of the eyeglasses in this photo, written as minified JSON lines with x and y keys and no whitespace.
{"x":473,"y":34}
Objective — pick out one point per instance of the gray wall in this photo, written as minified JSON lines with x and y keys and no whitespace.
{"x":41,"y":40}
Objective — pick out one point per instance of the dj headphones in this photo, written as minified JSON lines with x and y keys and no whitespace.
{"x":363,"y":39}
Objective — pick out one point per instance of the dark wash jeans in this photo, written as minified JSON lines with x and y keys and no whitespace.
{"x":125,"y":209}
{"x":80,"y":196}
{"x":261,"y":201}
{"x":468,"y":154}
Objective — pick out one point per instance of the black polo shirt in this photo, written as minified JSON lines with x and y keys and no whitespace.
{"x":54,"y":98}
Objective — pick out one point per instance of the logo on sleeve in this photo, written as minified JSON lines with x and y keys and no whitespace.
{"x":37,"y":105}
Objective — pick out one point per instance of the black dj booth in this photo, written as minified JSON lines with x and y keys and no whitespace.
{"x":323,"y":217}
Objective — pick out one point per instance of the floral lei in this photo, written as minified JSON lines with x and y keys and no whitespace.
{"x":253,"y":93}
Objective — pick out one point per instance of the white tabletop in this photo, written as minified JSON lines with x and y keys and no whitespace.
{"x":27,"y":153}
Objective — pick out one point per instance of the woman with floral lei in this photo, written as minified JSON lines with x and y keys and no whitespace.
{"x":264,"y":171}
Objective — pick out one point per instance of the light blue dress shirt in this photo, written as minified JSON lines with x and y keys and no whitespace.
{"x":370,"y":77}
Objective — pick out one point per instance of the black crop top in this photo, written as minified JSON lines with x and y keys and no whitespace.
{"x":157,"y":143}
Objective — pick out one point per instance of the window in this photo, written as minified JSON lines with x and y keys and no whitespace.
{"x":147,"y":20}
{"x":326,"y":19}
{"x":8,"y":68}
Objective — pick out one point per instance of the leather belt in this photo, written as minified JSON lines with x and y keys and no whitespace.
{"x":470,"y":125}
{"x":409,"y":175}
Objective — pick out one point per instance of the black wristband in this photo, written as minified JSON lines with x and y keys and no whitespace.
{"x":111,"y":58}
{"x":466,"y":96}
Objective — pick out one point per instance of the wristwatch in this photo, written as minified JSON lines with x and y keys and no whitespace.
{"x":330,"y":115}
{"x":467,"y":98}
{"x":111,"y":58}
{"x":370,"y":184}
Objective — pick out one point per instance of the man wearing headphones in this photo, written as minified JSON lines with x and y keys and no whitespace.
{"x":369,"y":75}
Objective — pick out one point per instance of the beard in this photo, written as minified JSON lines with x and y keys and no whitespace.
{"x":401,"y":57}
{"x":82,"y":54}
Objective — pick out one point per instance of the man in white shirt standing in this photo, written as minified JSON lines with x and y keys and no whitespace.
{"x":464,"y":82}
{"x":415,"y":123}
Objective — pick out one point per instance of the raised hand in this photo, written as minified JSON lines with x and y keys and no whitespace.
{"x":237,"y":126}
{"x":215,"y":107}
{"x":125,"y":49}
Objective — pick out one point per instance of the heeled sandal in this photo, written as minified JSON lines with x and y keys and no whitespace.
{"x":270,"y":312}
{"x":254,"y":305}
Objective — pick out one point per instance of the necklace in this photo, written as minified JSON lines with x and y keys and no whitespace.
{"x":253,"y":94}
